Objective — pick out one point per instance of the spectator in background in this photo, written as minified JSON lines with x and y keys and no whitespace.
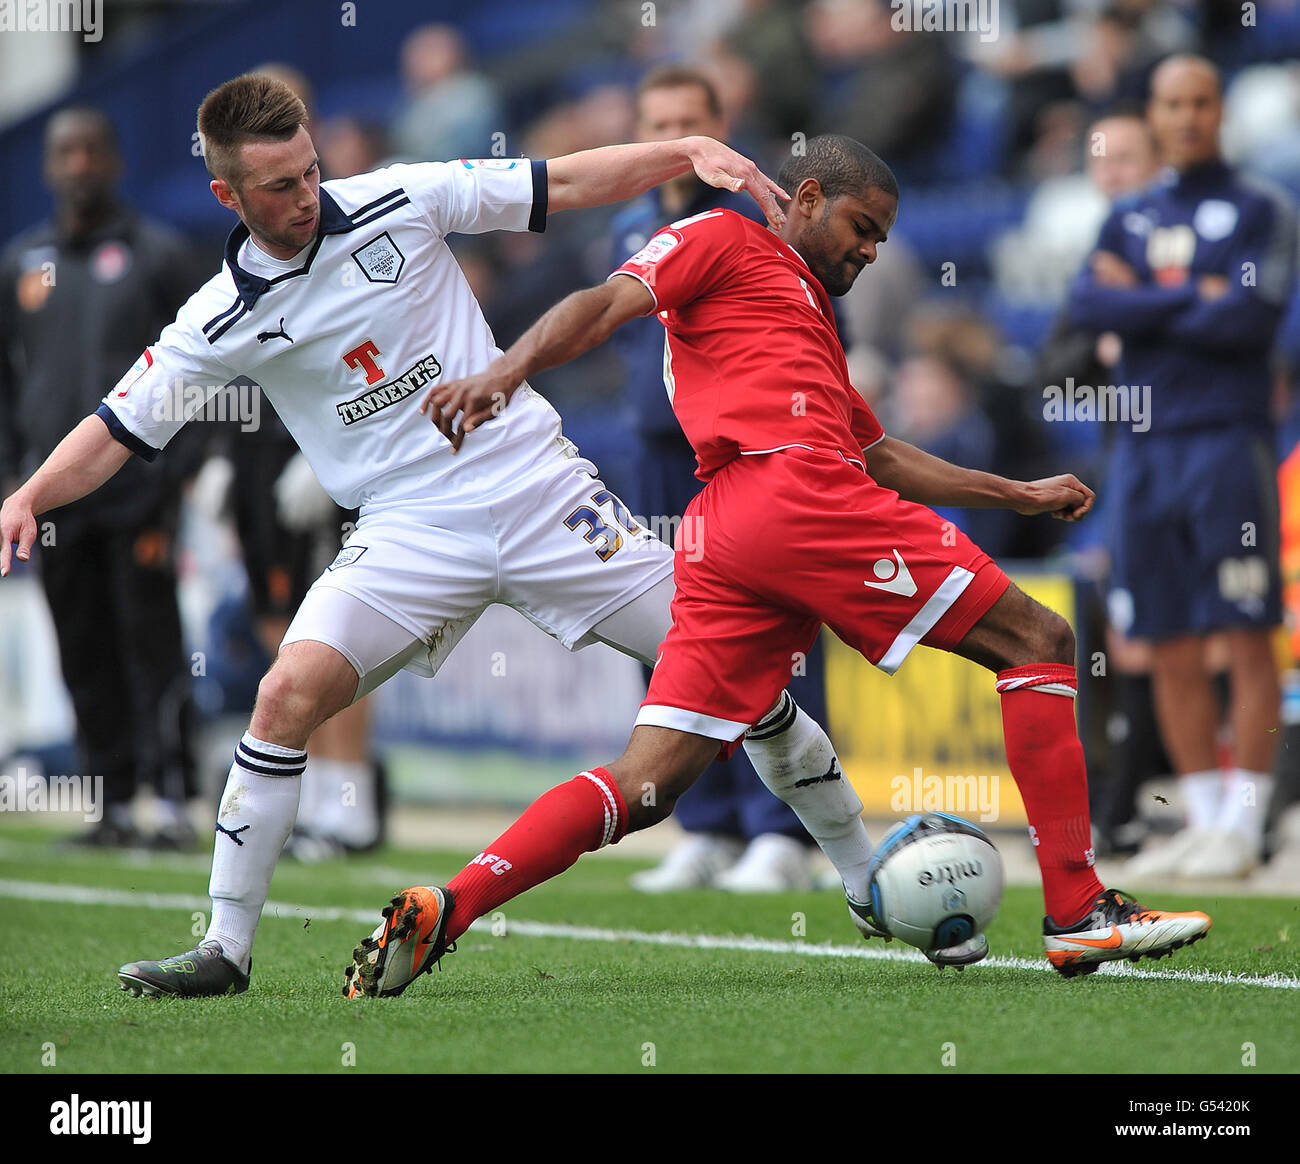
{"x":893,"y":90}
{"x":970,"y":343}
{"x":1035,"y":261}
{"x":769,"y":38}
{"x":1036,"y":44}
{"x":740,"y":837}
{"x":737,"y":85}
{"x":451,"y":111}
{"x":1059,"y":58}
{"x":1194,"y":274}
{"x":1121,"y":155}
{"x":532,"y":270}
{"x":934,"y":406}
{"x":80,"y":297}
{"x":349,"y":145}
{"x":1120,"y":159}
{"x":1117,"y":51}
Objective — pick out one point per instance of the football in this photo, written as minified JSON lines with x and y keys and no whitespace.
{"x":935,"y":881}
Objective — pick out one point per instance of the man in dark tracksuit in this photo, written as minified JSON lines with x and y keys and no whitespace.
{"x":1194,"y":273}
{"x":741,"y":836}
{"x":81,"y":297}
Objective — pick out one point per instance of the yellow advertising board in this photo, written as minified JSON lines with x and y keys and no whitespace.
{"x":929,"y":738}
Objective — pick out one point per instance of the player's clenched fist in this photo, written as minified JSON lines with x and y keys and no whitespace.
{"x":1065,"y":497}
{"x":17,"y":524}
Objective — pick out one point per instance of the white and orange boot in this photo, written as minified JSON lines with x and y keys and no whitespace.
{"x":1118,"y":927}
{"x":406,"y":944}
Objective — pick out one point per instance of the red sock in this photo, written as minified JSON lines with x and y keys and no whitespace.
{"x":555,"y":830}
{"x":1046,"y":760}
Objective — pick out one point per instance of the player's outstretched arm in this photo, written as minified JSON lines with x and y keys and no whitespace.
{"x":573,"y":326}
{"x":613,"y":173}
{"x":87,"y":457}
{"x":917,"y":476}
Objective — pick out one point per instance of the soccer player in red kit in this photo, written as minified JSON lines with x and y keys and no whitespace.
{"x":810,"y":514}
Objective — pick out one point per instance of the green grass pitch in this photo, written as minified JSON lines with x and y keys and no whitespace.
{"x":563,"y":994}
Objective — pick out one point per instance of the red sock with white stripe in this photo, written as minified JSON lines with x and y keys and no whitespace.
{"x":1046,"y":759}
{"x":583,"y":815}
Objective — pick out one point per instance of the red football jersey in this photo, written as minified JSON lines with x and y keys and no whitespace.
{"x":752,"y":362}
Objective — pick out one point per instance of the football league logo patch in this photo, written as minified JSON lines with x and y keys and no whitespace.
{"x":346,"y":556}
{"x":656,"y":248}
{"x":138,"y":369}
{"x":380,"y":260}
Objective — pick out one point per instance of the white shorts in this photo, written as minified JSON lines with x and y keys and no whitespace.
{"x":554,"y":544}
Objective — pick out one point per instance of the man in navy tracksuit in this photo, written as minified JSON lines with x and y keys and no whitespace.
{"x":741,"y":836}
{"x":1194,"y":273}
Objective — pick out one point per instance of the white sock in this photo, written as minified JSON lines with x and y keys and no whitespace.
{"x":350,"y":810}
{"x":256,"y":816}
{"x":1202,"y":793}
{"x":796,"y":760}
{"x":318,"y":781}
{"x":1245,"y":804}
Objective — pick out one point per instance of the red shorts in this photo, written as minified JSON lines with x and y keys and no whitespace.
{"x":778,"y":544}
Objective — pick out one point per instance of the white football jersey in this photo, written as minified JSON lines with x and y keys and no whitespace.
{"x":346,"y":344}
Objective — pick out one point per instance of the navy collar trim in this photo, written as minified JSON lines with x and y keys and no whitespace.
{"x":333,"y":220}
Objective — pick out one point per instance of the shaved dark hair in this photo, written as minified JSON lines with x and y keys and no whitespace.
{"x":841,"y":165}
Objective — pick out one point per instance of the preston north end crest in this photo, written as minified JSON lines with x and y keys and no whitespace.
{"x":380,"y":260}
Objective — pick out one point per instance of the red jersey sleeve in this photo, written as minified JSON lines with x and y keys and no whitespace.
{"x":688,"y":259}
{"x":866,"y":428}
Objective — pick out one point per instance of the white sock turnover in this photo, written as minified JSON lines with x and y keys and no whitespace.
{"x":794,"y":757}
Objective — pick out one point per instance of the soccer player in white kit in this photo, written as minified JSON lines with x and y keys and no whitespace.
{"x":344,"y":303}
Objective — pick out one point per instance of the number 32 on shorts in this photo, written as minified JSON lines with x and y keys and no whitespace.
{"x":610,"y":539}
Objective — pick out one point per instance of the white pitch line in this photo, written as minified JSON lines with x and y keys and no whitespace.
{"x":878,"y":953}
{"x":87,"y":895}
